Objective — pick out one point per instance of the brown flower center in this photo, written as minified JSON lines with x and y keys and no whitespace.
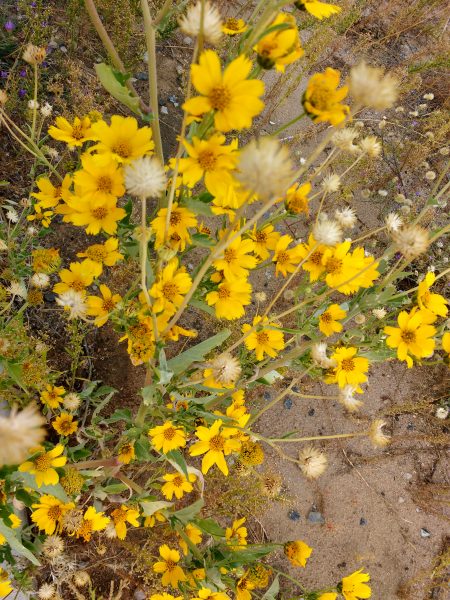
{"x":322,"y":98}
{"x":178,"y":481}
{"x":100,"y":212}
{"x":316,"y":257}
{"x":326,"y":317}
{"x":224,"y":293}
{"x":66,"y":426}
{"x":97,"y":253}
{"x":77,"y":132}
{"x":261,"y":237}
{"x":409,"y":337}
{"x":169,"y":433}
{"x":333,"y":265}
{"x":220,"y":97}
{"x":108,"y":305}
{"x":207,"y":159}
{"x":262,"y":337}
{"x":283,"y":257}
{"x":78,"y":286}
{"x":171,"y":565}
{"x":175,"y":218}
{"x":122,"y":148}
{"x":85,"y":529}
{"x":232,"y":24}
{"x":217,"y":443}
{"x":54,"y":513}
{"x":348,"y":364}
{"x":104,"y":184}
{"x":170,"y":290}
{"x":230,"y":255}
{"x":42,"y":463}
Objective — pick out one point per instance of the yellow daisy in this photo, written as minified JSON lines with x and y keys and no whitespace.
{"x":100,"y":179}
{"x":230,"y":298}
{"x":5,"y":584}
{"x":194,"y":535}
{"x":50,"y":195}
{"x":297,"y":198}
{"x":320,"y":10}
{"x":281,"y":46}
{"x":78,"y":277}
{"x":74,"y":134}
{"x":177,"y":484}
{"x":234,"y":26}
{"x":414,"y":335}
{"x":286,"y":259}
{"x":104,"y":254}
{"x":96,"y":216}
{"x":265,"y":339}
{"x":52,"y":395}
{"x":234,"y":99}
{"x":236,"y":535}
{"x":215,"y":444}
{"x":169,"y":567}
{"x":354,"y":586}
{"x":297,"y":552}
{"x":43,"y":465}
{"x":126,"y":453}
{"x":265,"y":239}
{"x":102,"y":307}
{"x":49,"y":512}
{"x":123,"y":515}
{"x":446,"y":342}
{"x":210,"y":159}
{"x":167,"y":437}
{"x":313,"y":264}
{"x":92,"y":521}
{"x":322,"y":99}
{"x":64,"y":424}
{"x":172,"y":285}
{"x":350,"y":369}
{"x":236,"y":259}
{"x":123,"y":140}
{"x":329,"y":320}
{"x":181,"y":220}
{"x":426,"y":300}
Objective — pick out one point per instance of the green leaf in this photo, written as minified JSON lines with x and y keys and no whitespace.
{"x":270,"y":378}
{"x":122,"y":414}
{"x":211,"y":527}
{"x":149,"y":508}
{"x":114,"y":488}
{"x":16,"y":545}
{"x":15,"y":372}
{"x":273,"y":591}
{"x":198,"y":207}
{"x":142,"y":449}
{"x":202,"y":240}
{"x":112,"y":82}
{"x":188,"y":514}
{"x":178,"y":458}
{"x":182,"y":362}
{"x":201,"y":304}
{"x":30,"y":482}
{"x":150,"y":395}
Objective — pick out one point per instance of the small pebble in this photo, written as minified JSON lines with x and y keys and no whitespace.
{"x":164,"y":110}
{"x":362,"y":521}
{"x":267,"y":395}
{"x":142,"y":76}
{"x":296,"y":389}
{"x":424,"y":533}
{"x":408,"y":476}
{"x":63,"y":49}
{"x":287,"y":403}
{"x":311,"y":412}
{"x":294,"y":515}
{"x":315,"y":516}
{"x":180,"y":70}
{"x":401,"y":500}
{"x":140,"y":595}
{"x":187,"y":40}
{"x":49,"y":296}
{"x":410,"y":426}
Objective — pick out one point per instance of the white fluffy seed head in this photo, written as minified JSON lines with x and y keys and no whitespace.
{"x":40,"y":280}
{"x":393,"y":221}
{"x":411,"y":240}
{"x":81,"y":579}
{"x":327,"y":232}
{"x":191,"y":22}
{"x":47,"y":591}
{"x":312,"y":462}
{"x":331,"y":183}
{"x":71,"y":401}
{"x":265,"y":168}
{"x":145,"y":178}
{"x":376,"y":434}
{"x":73,"y":303}
{"x":319,"y":356}
{"x":344,"y":138}
{"x":53,"y":546}
{"x":225,"y":368}
{"x":370,"y":146}
{"x":347,"y":398}
{"x":20,"y":431}
{"x":371,"y":87}
{"x":346,"y":217}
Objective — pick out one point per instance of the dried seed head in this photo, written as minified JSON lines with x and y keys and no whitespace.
{"x":313,"y":462}
{"x":53,"y":546}
{"x":411,"y":240}
{"x":376,"y":434}
{"x":225,"y":368}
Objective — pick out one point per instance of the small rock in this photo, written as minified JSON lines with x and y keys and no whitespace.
{"x":63,"y":49}
{"x":180,"y":69}
{"x":410,"y":426}
{"x":164,"y":110}
{"x":267,"y":395}
{"x":314,"y":516}
{"x":311,"y":412}
{"x":296,"y":389}
{"x":49,"y":296}
{"x":142,"y":76}
{"x":294,"y":515}
{"x":52,"y":45}
{"x":272,"y":122}
{"x":424,"y":533}
{"x":187,"y":40}
{"x":174,"y":100}
{"x":287,"y":403}
{"x":401,"y":500}
{"x":362,"y":521}
{"x":140,"y":595}
{"x":408,"y":476}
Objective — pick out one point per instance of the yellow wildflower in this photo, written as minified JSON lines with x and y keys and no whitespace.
{"x":50,"y":195}
{"x":45,"y":260}
{"x":172,"y":572}
{"x":181,"y":219}
{"x":354,"y":586}
{"x":236,"y":535}
{"x":154,"y":518}
{"x":194,"y":535}
{"x":101,"y":308}
{"x":297,"y":552}
{"x":286,"y":259}
{"x":49,"y":512}
{"x":350,"y":369}
{"x":230,"y":298}
{"x":64,"y":424}
{"x":265,"y":338}
{"x":320,"y":10}
{"x":78,"y":277}
{"x":446,"y":342}
{"x":95,"y":216}
{"x":167,"y":437}
{"x":123,"y":140}
{"x":126,"y":453}
{"x":52,"y":395}
{"x":208,"y":594}
{"x":243,"y":587}
{"x":74,"y":134}
{"x":265,"y":239}
{"x":215,"y":444}
{"x":322,"y":99}
{"x":5,"y":584}
{"x":297,"y":198}
{"x":100,"y":179}
{"x":43,"y":465}
{"x":329,"y":320}
{"x":173,"y":284}
{"x":177,"y":484}
{"x":123,"y":515}
{"x":234,"y":26}
{"x":280,"y":47}
{"x":344,"y":269}
{"x":414,"y":335}
{"x":234,"y":99}
{"x":236,"y":260}
{"x":165,"y":596}
{"x":426,"y":300}
{"x":91,"y":522}
{"x":104,"y":254}
{"x":313,"y":264}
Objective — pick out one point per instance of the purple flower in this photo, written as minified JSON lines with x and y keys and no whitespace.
{"x":9,"y":26}
{"x":3,"y":74}
{"x":22,"y":93}
{"x":23,"y":73}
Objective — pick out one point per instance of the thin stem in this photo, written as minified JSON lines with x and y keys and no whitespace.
{"x":150,"y":40}
{"x":143,"y":251}
{"x":289,"y":123}
{"x":274,"y":401}
{"x":35,"y":105}
{"x":366,"y":235}
{"x":320,"y":437}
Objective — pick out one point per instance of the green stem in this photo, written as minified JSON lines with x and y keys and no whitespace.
{"x":150,"y":40}
{"x":289,"y":123}
{"x":35,"y":94}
